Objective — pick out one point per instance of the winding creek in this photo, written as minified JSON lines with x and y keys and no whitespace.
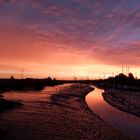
{"x":126,"y":122}
{"x":33,"y":113}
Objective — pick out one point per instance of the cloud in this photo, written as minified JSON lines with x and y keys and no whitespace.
{"x":70,"y":32}
{"x":4,"y":2}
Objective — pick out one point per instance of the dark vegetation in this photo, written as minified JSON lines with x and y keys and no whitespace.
{"x":26,"y":84}
{"x":120,"y":81}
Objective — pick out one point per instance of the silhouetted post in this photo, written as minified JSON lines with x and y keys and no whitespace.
{"x":22,"y":73}
{"x":122,"y":68}
{"x":75,"y":78}
{"x":128,"y":69}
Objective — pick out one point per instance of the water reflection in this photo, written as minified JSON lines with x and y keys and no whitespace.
{"x":122,"y":120}
{"x":32,"y":96}
{"x":30,"y":121}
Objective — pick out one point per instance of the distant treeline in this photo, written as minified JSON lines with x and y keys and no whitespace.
{"x":120,"y":81}
{"x":26,"y":84}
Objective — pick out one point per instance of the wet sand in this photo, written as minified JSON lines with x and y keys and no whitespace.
{"x":4,"y":106}
{"x":7,"y":104}
{"x":68,"y":118}
{"x":128,"y":101}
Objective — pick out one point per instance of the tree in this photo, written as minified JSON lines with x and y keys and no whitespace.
{"x":130,"y":76}
{"x":12,"y":77}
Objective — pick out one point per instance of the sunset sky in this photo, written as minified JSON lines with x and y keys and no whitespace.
{"x":67,"y":38}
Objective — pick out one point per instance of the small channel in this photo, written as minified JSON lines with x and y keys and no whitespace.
{"x":126,"y":122}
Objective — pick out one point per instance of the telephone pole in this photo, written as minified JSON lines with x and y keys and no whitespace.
{"x":128,"y":69}
{"x":22,"y":73}
{"x":122,"y":69}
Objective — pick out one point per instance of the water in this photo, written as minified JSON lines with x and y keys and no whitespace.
{"x":126,"y":122}
{"x":29,"y":121}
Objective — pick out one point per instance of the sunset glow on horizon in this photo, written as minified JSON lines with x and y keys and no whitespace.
{"x":69,"y":38}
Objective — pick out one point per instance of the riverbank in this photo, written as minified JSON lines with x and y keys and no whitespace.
{"x":7,"y":105}
{"x":3,"y":134}
{"x":65,"y":116}
{"x":128,"y":101}
{"x":28,"y":84}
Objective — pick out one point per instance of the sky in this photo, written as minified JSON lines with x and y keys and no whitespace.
{"x":67,"y":38}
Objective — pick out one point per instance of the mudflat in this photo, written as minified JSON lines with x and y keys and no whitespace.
{"x":128,"y":101}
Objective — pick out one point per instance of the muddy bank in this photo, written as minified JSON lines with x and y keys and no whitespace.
{"x":64,"y":116}
{"x":7,"y":105}
{"x":127,"y":101}
{"x":3,"y":134}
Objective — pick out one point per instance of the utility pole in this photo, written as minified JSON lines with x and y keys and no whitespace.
{"x":128,"y":69}
{"x":113,"y":74}
{"x":136,"y":75}
{"x":22,"y":73}
{"x":104,"y":75}
{"x":122,"y":69}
